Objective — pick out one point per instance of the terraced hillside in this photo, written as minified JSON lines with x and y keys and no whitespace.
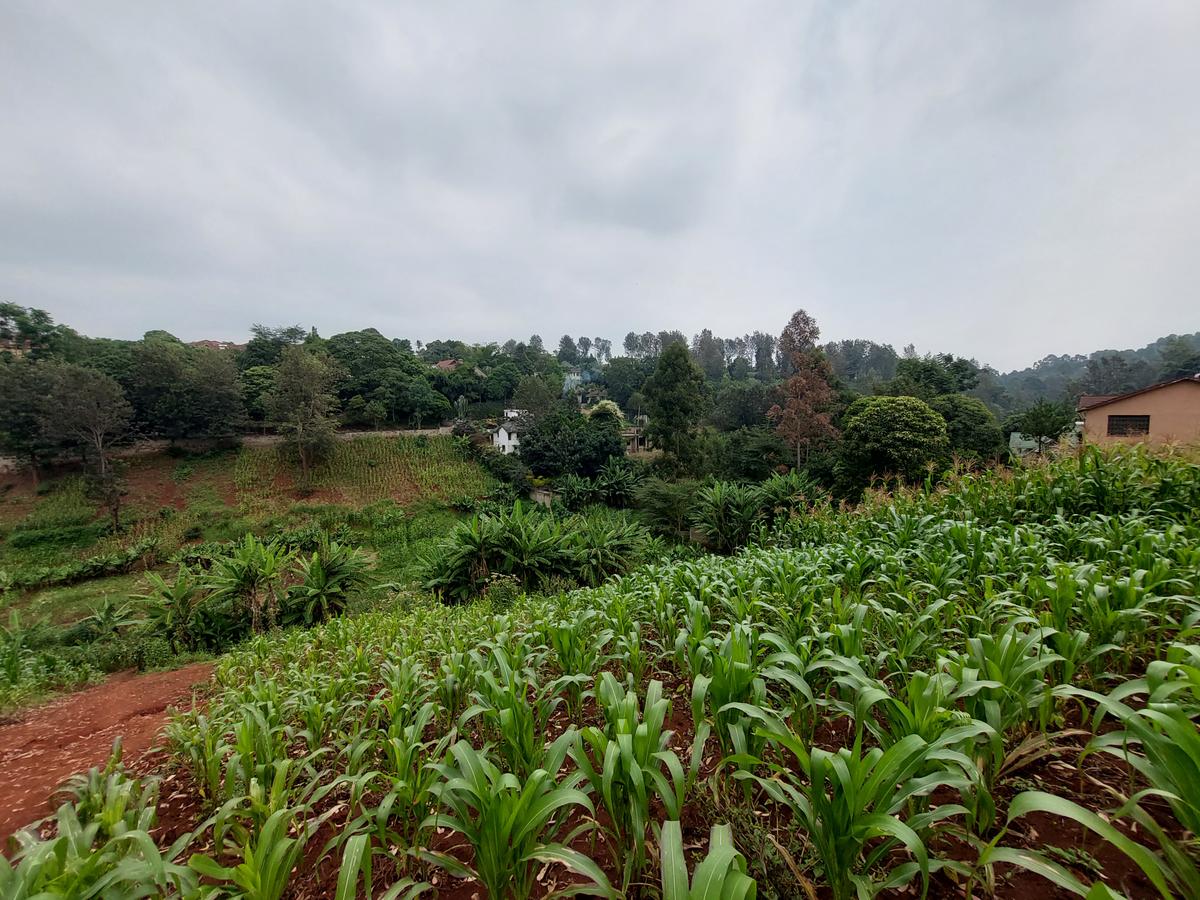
{"x":69,"y":578}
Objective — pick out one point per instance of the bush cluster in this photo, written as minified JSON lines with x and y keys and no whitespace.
{"x":507,"y":469}
{"x":725,"y":515}
{"x":118,"y":562}
{"x":534,"y":547}
{"x":615,"y":485}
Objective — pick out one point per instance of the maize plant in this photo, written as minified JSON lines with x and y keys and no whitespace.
{"x":629,"y":763}
{"x":513,"y":825}
{"x":849,"y":803}
{"x":721,"y":875}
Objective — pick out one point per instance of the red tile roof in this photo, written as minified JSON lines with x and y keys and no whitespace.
{"x":1091,"y":401}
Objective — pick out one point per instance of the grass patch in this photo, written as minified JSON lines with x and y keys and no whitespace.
{"x":64,"y":605}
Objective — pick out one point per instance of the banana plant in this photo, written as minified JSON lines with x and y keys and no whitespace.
{"x":171,"y":606}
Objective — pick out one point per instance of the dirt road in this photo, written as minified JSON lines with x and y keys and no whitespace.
{"x":76,"y":732}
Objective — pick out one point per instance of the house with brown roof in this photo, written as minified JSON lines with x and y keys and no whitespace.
{"x":1162,"y":413}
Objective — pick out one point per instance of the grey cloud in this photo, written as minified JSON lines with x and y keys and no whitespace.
{"x":1002,"y":180}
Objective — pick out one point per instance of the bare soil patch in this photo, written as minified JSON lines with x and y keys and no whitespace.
{"x":76,"y":732}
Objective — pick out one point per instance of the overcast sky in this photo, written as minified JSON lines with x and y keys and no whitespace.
{"x":1001,"y":180}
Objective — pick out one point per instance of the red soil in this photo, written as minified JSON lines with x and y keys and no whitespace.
{"x":76,"y":732}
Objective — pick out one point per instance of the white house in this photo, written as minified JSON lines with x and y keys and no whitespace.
{"x":505,"y":438}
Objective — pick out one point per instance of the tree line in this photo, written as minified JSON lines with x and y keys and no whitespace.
{"x":739,"y":407}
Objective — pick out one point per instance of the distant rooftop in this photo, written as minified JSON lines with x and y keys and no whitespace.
{"x":1091,"y":401}
{"x":217,"y":345}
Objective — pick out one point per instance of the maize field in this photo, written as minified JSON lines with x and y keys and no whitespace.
{"x":987,"y":689}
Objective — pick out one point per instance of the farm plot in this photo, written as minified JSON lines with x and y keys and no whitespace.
{"x":367,"y":469}
{"x":987,"y":691}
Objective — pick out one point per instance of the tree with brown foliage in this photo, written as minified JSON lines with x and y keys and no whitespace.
{"x":802,"y":415}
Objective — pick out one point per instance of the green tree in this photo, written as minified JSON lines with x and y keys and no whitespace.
{"x":709,"y":353}
{"x":255,"y":384}
{"x":1180,"y":359}
{"x":157,"y":385}
{"x":568,"y":352}
{"x":421,"y":404}
{"x":676,"y":402}
{"x":302,"y":403}
{"x":215,"y":407}
{"x":31,"y":331}
{"x":501,"y":381}
{"x":890,"y":436}
{"x":436,"y":351}
{"x":926,"y":377}
{"x":970,"y":426}
{"x":86,"y":410}
{"x":1108,"y":375}
{"x":564,"y":442}
{"x":762,"y":346}
{"x":1044,"y":422}
{"x":368,"y":359}
{"x":860,"y":363}
{"x":753,"y":454}
{"x":624,"y":376}
{"x":23,"y":386}
{"x":637,"y":406}
{"x":534,"y":397}
{"x":267,"y":344}
{"x":179,"y":391}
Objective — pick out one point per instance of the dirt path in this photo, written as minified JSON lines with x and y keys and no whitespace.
{"x":76,"y":732}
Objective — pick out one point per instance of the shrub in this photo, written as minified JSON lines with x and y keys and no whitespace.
{"x":531,"y":546}
{"x":666,"y":506}
{"x":506,"y":468}
{"x":24,"y":538}
{"x":116,"y":563}
{"x":725,"y":514}
{"x":575,"y":492}
{"x":897,"y":437}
